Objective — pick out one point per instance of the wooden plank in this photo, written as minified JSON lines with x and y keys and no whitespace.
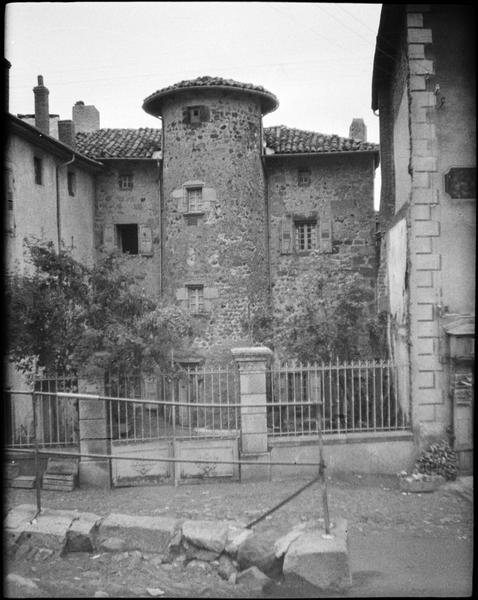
{"x":23,"y":481}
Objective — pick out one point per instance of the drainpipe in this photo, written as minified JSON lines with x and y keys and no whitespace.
{"x":58,"y":223}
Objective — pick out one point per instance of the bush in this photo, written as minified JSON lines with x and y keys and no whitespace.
{"x":439,"y":459}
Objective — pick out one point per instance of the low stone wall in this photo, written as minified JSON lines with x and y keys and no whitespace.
{"x":377,"y":453}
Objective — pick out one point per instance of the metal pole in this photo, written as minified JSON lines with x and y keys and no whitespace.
{"x":323,"y":478}
{"x":37,"y":461}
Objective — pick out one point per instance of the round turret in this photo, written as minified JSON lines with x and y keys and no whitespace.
{"x":215,"y":259}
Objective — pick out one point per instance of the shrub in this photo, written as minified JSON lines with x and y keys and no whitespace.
{"x":439,"y":459}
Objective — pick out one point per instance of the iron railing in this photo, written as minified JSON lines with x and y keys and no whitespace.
{"x":357,"y":396}
{"x":56,"y":417}
{"x":196,"y":402}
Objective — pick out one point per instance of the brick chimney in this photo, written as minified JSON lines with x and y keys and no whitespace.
{"x":358,"y":130}
{"x":66,"y":132}
{"x":42,"y":112}
{"x":85,"y":117}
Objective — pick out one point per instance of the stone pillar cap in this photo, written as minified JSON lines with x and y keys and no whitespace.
{"x":252,"y":352}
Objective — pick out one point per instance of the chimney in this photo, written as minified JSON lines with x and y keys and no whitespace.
{"x":358,"y":130}
{"x":66,"y":132}
{"x":86,"y":118}
{"x":6,"y":83}
{"x":42,"y":112}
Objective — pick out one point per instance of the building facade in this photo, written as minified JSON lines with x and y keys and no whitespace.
{"x":212,"y":210}
{"x":424,"y":91}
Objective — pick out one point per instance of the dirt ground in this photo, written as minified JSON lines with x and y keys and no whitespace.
{"x":400,"y":545}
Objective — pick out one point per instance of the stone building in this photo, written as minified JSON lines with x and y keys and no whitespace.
{"x":215,"y":211}
{"x":424,"y":90}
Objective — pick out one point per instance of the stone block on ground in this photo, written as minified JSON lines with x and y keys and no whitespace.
{"x":82,"y":534}
{"x":145,"y":533}
{"x":194,"y":552}
{"x":236,"y":535}
{"x":225,"y":567}
{"x":210,"y":535}
{"x":282,"y":544}
{"x":319,"y":560}
{"x":47,"y":531}
{"x":254,"y":579}
{"x":258,"y":550}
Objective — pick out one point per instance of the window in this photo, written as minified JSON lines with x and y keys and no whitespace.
{"x":303,"y":177}
{"x":195,"y":298}
{"x":194,"y":199}
{"x":194,"y":114}
{"x":127,"y":236}
{"x":125,"y":181}
{"x":71,"y":181}
{"x":38,"y":167}
{"x":305,"y":235}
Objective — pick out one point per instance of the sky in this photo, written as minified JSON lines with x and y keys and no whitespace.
{"x":316,"y":57}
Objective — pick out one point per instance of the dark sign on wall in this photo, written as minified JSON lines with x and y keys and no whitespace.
{"x":460,"y":182}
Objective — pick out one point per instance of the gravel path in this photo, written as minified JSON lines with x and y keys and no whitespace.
{"x":413,"y":545}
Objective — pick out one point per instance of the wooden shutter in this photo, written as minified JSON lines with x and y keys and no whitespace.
{"x":210,"y":293}
{"x":286,"y":235}
{"x":145,"y":240}
{"x":109,"y":237}
{"x":325,"y":228}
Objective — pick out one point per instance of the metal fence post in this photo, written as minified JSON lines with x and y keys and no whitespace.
{"x":37,"y":458}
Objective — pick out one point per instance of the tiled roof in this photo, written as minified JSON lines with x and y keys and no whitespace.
{"x":152,"y":103}
{"x":141,"y":143}
{"x":286,"y":140}
{"x":119,"y":143}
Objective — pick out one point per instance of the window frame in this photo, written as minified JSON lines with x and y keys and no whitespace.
{"x":304,"y":177}
{"x":196,"y":210}
{"x":307,"y":240}
{"x":129,"y":178}
{"x":122,"y":235}
{"x":196,"y":304}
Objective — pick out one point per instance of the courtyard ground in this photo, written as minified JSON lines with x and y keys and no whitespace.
{"x":400,"y":544}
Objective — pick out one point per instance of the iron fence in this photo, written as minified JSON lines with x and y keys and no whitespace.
{"x":56,"y":417}
{"x":357,"y":396}
{"x":195,"y":402}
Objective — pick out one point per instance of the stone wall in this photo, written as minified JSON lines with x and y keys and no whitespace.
{"x":139,"y":205}
{"x":339,"y":200}
{"x":222,"y":245}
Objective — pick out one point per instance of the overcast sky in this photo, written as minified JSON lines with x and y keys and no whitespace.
{"x":316,"y":58}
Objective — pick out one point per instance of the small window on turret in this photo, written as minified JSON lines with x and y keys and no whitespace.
{"x":194,"y":114}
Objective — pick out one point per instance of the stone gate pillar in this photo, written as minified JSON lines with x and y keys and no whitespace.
{"x":252,"y":363}
{"x":93,"y":472}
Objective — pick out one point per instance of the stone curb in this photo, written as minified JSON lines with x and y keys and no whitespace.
{"x":64,"y":532}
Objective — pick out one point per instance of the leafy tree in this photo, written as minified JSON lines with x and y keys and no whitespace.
{"x":330,"y":316}
{"x":65,"y":314}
